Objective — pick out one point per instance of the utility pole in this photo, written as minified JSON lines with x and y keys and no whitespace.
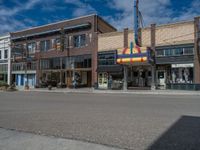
{"x":26,"y":64}
{"x":62,"y":47}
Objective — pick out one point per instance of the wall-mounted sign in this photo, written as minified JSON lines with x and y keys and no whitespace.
{"x":183,"y":65}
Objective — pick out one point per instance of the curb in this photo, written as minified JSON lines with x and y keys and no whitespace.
{"x":92,"y":91}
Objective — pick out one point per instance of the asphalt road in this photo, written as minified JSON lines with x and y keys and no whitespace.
{"x":126,"y":121}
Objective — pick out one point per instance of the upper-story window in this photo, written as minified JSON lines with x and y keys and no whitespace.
{"x":79,"y":40}
{"x":179,"y":51}
{"x":5,"y":54}
{"x":44,"y":45}
{"x":0,"y":55}
{"x":31,"y":47}
{"x":57,"y":43}
{"x":106,"y":59}
{"x":188,"y":50}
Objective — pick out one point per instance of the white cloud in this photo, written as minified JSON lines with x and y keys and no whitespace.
{"x":153,"y":11}
{"x":7,"y":16}
{"x":81,"y":8}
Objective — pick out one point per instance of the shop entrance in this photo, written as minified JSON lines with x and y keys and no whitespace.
{"x":103,"y":80}
{"x":139,"y":77}
{"x":161,"y":79}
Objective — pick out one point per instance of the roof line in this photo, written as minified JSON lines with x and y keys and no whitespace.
{"x":55,"y":23}
{"x":106,"y":22}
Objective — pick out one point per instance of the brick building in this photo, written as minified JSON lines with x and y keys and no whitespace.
{"x":176,"y":56}
{"x":61,"y":52}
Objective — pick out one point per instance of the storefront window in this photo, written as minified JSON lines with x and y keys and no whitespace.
{"x":182,"y":75}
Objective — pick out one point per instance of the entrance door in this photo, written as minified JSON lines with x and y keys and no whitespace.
{"x":103,"y":80}
{"x":161,"y":79}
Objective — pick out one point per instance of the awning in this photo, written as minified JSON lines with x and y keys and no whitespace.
{"x":110,"y":68}
{"x":53,"y":31}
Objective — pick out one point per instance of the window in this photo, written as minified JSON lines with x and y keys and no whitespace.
{"x":80,"y":40}
{"x":45,"y":64}
{"x":178,"y":51}
{"x":168,"y":52}
{"x":57,"y":44}
{"x":175,"y":51}
{"x":106,"y":59}
{"x":5,"y":54}
{"x":0,"y":54}
{"x":31,"y":47}
{"x":44,"y":45}
{"x":160,"y":53}
{"x":188,"y":50}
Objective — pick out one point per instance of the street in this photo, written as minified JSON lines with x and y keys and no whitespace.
{"x":126,"y":121}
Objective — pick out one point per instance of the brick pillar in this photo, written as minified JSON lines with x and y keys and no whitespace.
{"x":94,"y":58}
{"x":197,"y":50}
{"x":125,"y":66}
{"x":126,"y":38}
{"x":153,"y":47}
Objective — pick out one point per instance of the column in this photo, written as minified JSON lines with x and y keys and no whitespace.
{"x":197,"y":50}
{"x":153,"y":65}
{"x":9,"y":65}
{"x":125,"y":85}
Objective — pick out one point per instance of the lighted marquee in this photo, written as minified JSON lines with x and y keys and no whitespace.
{"x":137,"y":55}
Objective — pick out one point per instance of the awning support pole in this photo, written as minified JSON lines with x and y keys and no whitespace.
{"x":125,"y":85}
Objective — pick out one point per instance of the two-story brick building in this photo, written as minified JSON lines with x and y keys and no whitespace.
{"x":176,"y":47}
{"x":60,"y":52}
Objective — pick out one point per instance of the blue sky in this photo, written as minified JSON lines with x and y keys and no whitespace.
{"x":20,"y":14}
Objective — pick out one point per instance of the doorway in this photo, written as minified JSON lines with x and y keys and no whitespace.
{"x":161,"y":79}
{"x":103,"y":80}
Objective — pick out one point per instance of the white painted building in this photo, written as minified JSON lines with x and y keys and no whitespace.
{"x":5,"y":58}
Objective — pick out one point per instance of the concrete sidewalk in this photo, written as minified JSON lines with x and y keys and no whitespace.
{"x":139,"y":92}
{"x":14,"y":140}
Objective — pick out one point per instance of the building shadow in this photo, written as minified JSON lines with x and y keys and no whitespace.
{"x":182,"y":135}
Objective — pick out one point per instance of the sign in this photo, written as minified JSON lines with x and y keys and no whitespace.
{"x":136,"y":55}
{"x":182,"y":65}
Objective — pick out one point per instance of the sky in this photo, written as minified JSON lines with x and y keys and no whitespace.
{"x":21,"y":14}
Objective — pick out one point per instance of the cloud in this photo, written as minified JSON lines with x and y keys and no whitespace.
{"x":81,"y":8}
{"x":153,"y":11}
{"x":7,"y":16}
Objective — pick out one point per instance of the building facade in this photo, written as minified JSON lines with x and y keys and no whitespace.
{"x":176,"y":49}
{"x":62,"y":53}
{"x":5,"y":58}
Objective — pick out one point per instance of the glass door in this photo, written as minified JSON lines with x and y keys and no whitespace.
{"x":103,"y":80}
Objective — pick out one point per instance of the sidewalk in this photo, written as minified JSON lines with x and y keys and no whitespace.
{"x":14,"y":140}
{"x":142,"y":92}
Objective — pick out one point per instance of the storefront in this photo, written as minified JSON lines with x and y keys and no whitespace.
{"x":110,"y":77}
{"x":20,"y":79}
{"x":182,"y":73}
{"x":67,"y":70}
{"x":110,"y":74}
{"x":139,"y":76}
{"x":3,"y":73}
{"x":23,"y":72}
{"x":137,"y":64}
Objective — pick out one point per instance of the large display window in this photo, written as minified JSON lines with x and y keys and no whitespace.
{"x":182,"y":73}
